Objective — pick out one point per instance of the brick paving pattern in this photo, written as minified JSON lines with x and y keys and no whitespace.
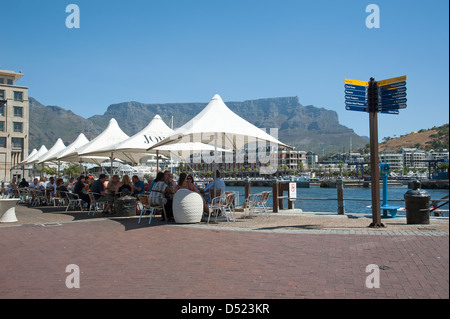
{"x":118,"y":258}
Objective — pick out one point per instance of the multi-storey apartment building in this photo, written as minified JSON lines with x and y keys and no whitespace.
{"x":14,"y":124}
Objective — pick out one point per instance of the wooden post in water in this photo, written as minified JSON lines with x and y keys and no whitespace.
{"x":340,"y":196}
{"x":247,"y":187}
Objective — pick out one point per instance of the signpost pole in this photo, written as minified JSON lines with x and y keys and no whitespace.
{"x":374,"y":161}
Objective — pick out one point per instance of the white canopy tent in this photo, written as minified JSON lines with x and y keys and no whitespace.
{"x":58,"y":147}
{"x":31,"y":155}
{"x":217,"y":124}
{"x":135,"y":147}
{"x":31,"y":159}
{"x":89,"y":151}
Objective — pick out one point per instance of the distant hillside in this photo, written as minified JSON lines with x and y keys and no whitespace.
{"x":435,"y":138}
{"x":307,"y":128}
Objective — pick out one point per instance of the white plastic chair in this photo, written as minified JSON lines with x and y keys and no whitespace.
{"x":73,"y":201}
{"x":147,"y":207}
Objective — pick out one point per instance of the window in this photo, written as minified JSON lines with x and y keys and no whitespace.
{"x":3,"y":142}
{"x":18,"y":96}
{"x":1,"y":81}
{"x":2,"y":110}
{"x":2,"y":126}
{"x":18,"y":111}
{"x":18,"y":127}
{"x":9,"y":81}
{"x":2,"y":94}
{"x":17,"y":144}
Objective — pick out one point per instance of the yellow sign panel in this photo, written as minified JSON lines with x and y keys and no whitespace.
{"x":390,"y":81}
{"x":356,"y":82}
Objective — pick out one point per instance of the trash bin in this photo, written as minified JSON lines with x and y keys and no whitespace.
{"x":125,"y":206}
{"x":417,"y":205}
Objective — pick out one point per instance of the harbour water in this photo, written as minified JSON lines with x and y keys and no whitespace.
{"x":351,"y":206}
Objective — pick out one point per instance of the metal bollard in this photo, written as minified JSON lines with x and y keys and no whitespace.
{"x":340,"y":196}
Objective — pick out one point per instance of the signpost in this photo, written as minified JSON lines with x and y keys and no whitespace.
{"x":386,"y":96}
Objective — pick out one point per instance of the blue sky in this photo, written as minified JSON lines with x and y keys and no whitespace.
{"x":187,"y":51}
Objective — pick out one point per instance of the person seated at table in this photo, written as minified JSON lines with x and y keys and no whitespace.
{"x":220,"y":185}
{"x":187,"y":182}
{"x":80,"y":188}
{"x":113,"y":184}
{"x":34,"y":183}
{"x":50,"y":188}
{"x":138,"y":186}
{"x":89,"y":181}
{"x":98,"y":190}
{"x":70,"y":184}
{"x":42,"y":184}
{"x":12,"y":186}
{"x":124,"y":187}
{"x":148,"y":183}
{"x":23,"y":183}
{"x":60,"y":187}
{"x":157,"y":195}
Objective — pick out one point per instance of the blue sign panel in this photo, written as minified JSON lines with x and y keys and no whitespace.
{"x":393,"y":106}
{"x":359,"y":93}
{"x":393,"y":85}
{"x":390,"y":111}
{"x":355,"y":87}
{"x":392,"y":95}
{"x":394,"y":89}
{"x":384,"y":102}
{"x":358,"y":98}
{"x":356,"y":108}
{"x":355,"y":103}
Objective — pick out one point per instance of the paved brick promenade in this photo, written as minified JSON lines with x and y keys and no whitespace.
{"x":118,"y":258}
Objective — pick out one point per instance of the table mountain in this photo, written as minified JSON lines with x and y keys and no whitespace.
{"x":308,"y":128}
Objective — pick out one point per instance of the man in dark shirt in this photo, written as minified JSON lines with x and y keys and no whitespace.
{"x":78,"y":189}
{"x":98,"y":188}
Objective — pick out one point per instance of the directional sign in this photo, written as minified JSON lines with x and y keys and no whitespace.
{"x":400,"y":89}
{"x":356,"y":108}
{"x":357,"y":82}
{"x":359,"y":98}
{"x":356,"y":95}
{"x":393,"y":106}
{"x":393,"y":85}
{"x":390,"y":81}
{"x":355,"y":103}
{"x":355,"y":92}
{"x":390,"y":111}
{"x":392,"y":95}
{"x":384,"y":102}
